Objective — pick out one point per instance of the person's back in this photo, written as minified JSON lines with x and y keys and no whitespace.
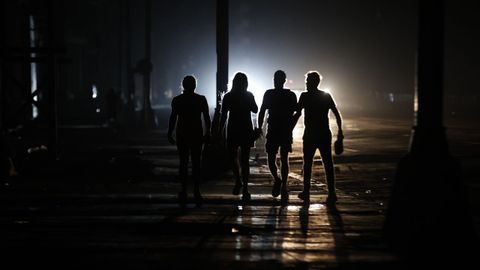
{"x":240,"y":105}
{"x":237,"y":106}
{"x":189,"y":107}
{"x":317,"y":104}
{"x":281,"y":104}
{"x":317,"y":134}
{"x":186,"y":119}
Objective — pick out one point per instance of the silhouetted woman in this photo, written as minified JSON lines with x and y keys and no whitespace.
{"x":238,"y":104}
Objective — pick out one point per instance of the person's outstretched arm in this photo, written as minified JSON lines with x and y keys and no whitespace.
{"x":339,"y":121}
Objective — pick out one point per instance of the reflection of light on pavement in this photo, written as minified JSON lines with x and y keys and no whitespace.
{"x":293,"y":208}
{"x":317,"y":206}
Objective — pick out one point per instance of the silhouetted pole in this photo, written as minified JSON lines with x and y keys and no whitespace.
{"x":428,"y":208}
{"x":130,"y":67}
{"x":146,"y":67}
{"x":222,"y":57}
{"x":214,"y":155}
{"x":2,"y":54}
{"x":51,"y":81}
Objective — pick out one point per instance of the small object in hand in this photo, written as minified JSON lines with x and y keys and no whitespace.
{"x":338,"y":146}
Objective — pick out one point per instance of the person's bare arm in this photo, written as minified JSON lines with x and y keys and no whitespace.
{"x":261,"y":117}
{"x":254,"y":107}
{"x":339,"y":121}
{"x":261,"y":114}
{"x":298,"y":112}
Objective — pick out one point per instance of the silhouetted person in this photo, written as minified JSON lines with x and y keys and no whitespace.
{"x":317,"y":134}
{"x":187,"y":111}
{"x":281,"y":105}
{"x":237,"y":105}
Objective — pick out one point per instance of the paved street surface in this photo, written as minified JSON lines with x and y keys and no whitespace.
{"x":117,"y":207}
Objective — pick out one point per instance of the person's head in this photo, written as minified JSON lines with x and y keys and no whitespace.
{"x":279,"y":79}
{"x":189,"y":84}
{"x":240,"y":82}
{"x":312,"y":80}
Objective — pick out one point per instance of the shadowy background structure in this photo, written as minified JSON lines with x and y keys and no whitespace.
{"x":85,"y":92}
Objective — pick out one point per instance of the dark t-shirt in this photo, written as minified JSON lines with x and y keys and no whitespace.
{"x":281,"y":105}
{"x":239,"y":127}
{"x":189,"y":108}
{"x":317,"y":104}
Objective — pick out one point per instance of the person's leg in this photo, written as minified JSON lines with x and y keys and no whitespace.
{"x":284,"y":170}
{"x":244,"y":159}
{"x":327,"y":160}
{"x":233,"y":153}
{"x":308,"y":154}
{"x":272,"y":150}
{"x":272,"y":164}
{"x":285,"y":167}
{"x":196,"y":168}
{"x":183,"y":151}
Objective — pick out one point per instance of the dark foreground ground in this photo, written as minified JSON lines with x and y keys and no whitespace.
{"x":110,"y":202}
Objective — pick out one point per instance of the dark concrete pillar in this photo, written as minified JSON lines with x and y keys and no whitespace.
{"x":214,"y":155}
{"x":222,"y":47}
{"x":146,"y":68}
{"x":428,"y":210}
{"x":222,"y":56}
{"x":51,"y":81}
{"x":130,"y":68}
{"x":2,"y":54}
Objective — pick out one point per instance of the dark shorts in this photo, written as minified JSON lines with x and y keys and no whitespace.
{"x":272,"y":145}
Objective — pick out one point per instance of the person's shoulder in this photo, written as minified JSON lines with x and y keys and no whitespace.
{"x":304,"y":94}
{"x":323,"y":92}
{"x":198,"y":96}
{"x":290,"y":92}
{"x":326,"y":94}
{"x":269,"y":91}
{"x":175,"y":99}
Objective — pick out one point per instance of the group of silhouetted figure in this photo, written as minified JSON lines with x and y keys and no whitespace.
{"x":236,"y":115}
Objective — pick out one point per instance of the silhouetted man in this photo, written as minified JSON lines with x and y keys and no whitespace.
{"x":187,"y":111}
{"x":317,"y":134}
{"x":281,"y":105}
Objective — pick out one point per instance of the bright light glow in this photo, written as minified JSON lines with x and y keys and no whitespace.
{"x":293,"y":208}
{"x":33,"y":67}
{"x":327,"y":89}
{"x":94,"y":91}
{"x":317,"y":206}
{"x":391,"y":97}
